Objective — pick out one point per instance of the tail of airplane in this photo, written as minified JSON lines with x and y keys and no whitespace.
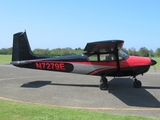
{"x":21,"y":48}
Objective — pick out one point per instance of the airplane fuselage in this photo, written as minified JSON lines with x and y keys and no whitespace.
{"x":80,"y":64}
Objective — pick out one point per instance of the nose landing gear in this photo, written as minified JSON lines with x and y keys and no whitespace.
{"x":137,"y":83}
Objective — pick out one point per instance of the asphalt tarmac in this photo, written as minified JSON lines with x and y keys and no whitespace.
{"x":81,"y":91}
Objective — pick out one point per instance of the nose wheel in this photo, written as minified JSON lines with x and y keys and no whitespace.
{"x":103,"y":83}
{"x":137,"y":83}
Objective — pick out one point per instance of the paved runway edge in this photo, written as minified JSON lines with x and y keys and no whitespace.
{"x":83,"y":108}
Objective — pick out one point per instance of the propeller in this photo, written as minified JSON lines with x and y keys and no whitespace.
{"x":153,"y":62}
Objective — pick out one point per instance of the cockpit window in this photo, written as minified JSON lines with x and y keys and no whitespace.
{"x":93,"y":57}
{"x":123,"y":55}
{"x":107,"y":57}
{"x":102,"y":57}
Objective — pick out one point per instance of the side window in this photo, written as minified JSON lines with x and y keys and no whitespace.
{"x":123,"y":55}
{"x":107,"y":57}
{"x":120,"y":57}
{"x":93,"y":58}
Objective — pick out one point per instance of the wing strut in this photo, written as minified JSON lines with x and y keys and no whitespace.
{"x":117,"y":58}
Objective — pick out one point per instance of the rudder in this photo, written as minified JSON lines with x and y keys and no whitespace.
{"x":21,"y":48}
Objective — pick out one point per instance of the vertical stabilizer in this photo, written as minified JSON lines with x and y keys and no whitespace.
{"x":21,"y":48}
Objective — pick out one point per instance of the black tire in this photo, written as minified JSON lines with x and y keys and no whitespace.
{"x":103,"y":86}
{"x":137,"y":84}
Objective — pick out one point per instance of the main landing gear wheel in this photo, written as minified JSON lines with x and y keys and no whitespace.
{"x":137,"y":83}
{"x":103,"y":84}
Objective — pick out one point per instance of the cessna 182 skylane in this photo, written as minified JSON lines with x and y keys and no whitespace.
{"x":102,"y":58}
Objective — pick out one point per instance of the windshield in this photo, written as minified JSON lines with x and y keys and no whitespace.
{"x":123,"y":55}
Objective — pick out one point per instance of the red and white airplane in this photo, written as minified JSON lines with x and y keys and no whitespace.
{"x":102,"y":58}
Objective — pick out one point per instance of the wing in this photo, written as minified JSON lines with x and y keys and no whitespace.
{"x":104,"y":46}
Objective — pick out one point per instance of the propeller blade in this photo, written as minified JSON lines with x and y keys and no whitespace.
{"x":153,"y":62}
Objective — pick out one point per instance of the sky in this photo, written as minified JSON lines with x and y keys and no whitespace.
{"x":54,"y":24}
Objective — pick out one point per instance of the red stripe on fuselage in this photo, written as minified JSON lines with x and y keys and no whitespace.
{"x":100,"y":70}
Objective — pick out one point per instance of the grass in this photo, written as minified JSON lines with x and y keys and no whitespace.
{"x":5,"y":58}
{"x":19,"y":111}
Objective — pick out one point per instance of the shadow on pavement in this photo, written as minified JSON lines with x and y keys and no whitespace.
{"x":123,"y":89}
{"x":39,"y":83}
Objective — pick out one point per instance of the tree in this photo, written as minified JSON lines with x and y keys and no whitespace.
{"x":151,"y":52}
{"x":41,"y":52}
{"x":143,"y":51}
{"x":6,"y":51}
{"x":132,"y":51}
{"x":157,"y":53}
